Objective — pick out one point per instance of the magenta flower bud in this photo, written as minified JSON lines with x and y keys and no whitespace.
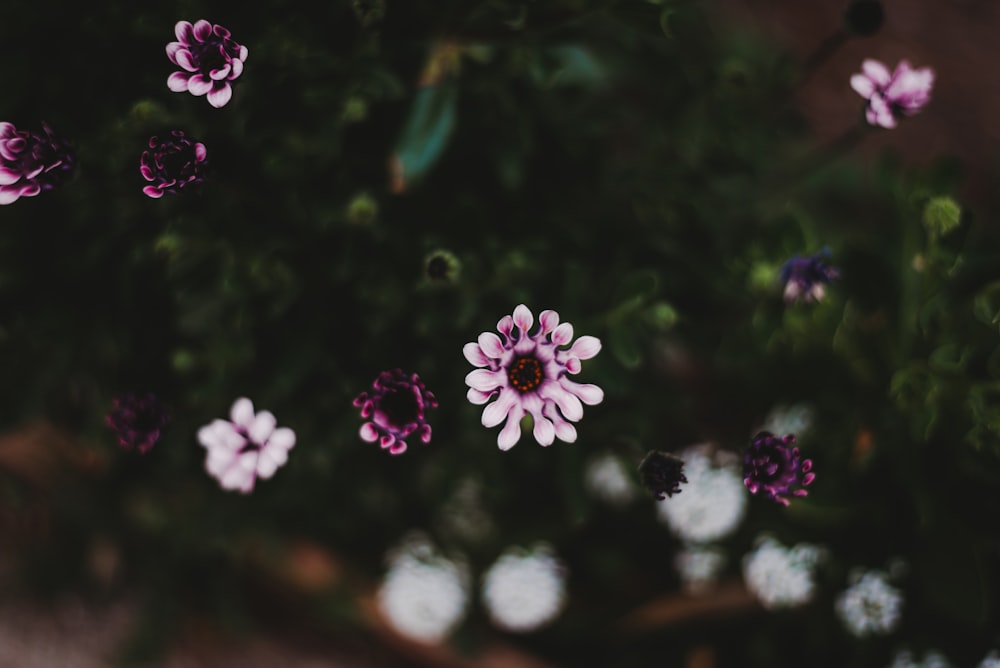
{"x":172,"y":164}
{"x":772,"y":467}
{"x":209,"y":60}
{"x":137,"y":420}
{"x":395,"y":409}
{"x":31,"y":162}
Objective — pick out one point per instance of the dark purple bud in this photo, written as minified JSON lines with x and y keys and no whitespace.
{"x":662,"y":474}
{"x":172,"y":164}
{"x":774,"y":468}
{"x":137,"y":420}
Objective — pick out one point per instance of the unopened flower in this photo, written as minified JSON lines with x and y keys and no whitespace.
{"x":892,"y":95}
{"x":527,"y":373}
{"x":714,"y":498}
{"x":172,"y":164}
{"x":772,"y":467}
{"x":395,"y":408}
{"x":209,"y":60}
{"x":806,"y":277}
{"x":137,"y":420}
{"x":441,"y":267}
{"x":607,"y":479}
{"x":870,"y":606}
{"x":525,"y":590}
{"x":245,"y":447}
{"x":423,"y":595}
{"x":662,"y":474}
{"x":31,"y":162}
{"x":698,"y":567}
{"x":931,"y":659}
{"x":781,"y":577}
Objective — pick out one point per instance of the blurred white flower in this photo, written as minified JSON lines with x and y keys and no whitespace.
{"x":525,"y":590}
{"x":780,"y":577}
{"x":932,"y":659}
{"x":699,"y":567}
{"x":795,"y":419}
{"x":713,"y":501}
{"x":607,"y":479}
{"x":991,"y":660}
{"x":423,"y":595}
{"x":870,"y":606}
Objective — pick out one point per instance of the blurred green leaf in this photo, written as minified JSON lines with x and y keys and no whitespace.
{"x":425,"y":134}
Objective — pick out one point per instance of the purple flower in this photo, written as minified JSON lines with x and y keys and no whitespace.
{"x":172,"y":164}
{"x":396,"y":407}
{"x":892,"y":95}
{"x":246,"y":447}
{"x":209,"y":58}
{"x":137,"y":420}
{"x":31,"y":162}
{"x":662,"y":474}
{"x":806,"y":277}
{"x":526,"y":373}
{"x":772,"y":466}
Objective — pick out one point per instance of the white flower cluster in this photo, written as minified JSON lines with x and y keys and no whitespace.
{"x":991,"y":660}
{"x":780,"y":577}
{"x":607,"y":479}
{"x":795,"y":419}
{"x":932,"y":659}
{"x":712,"y":502}
{"x":524,"y":589}
{"x":699,"y":567}
{"x":870,"y":606}
{"x":423,"y":595}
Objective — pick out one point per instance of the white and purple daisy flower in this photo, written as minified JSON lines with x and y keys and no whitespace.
{"x":526,"y":373}
{"x":209,"y":60}
{"x":892,"y":95}
{"x":31,"y":162}
{"x":396,"y":406}
{"x":172,"y":164}
{"x":245,"y":447}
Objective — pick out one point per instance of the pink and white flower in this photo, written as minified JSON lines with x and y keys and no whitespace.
{"x":892,"y":95}
{"x":209,"y":59}
{"x":245,"y":447}
{"x":526,"y":373}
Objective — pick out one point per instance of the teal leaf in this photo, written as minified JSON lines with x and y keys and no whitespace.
{"x":425,"y":135}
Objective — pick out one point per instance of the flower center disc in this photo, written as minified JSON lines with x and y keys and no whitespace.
{"x":400,"y":406}
{"x":525,"y":374}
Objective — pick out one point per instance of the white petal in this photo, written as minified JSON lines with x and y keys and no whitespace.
{"x":544,"y":432}
{"x":563,"y":334}
{"x":588,"y":394}
{"x":283,"y":438}
{"x":523,"y":318}
{"x":484,"y":380}
{"x":863,"y":85}
{"x":549,"y":320}
{"x":491,"y":345}
{"x":262,"y":427}
{"x":877,"y":72}
{"x":474,"y":354}
{"x":368,"y":432}
{"x":568,"y":404}
{"x":495,"y":413}
{"x":477,"y":397}
{"x":178,"y":82}
{"x":220,"y":435}
{"x":242,"y":412}
{"x":511,"y":432}
{"x":270,"y":460}
{"x":586,"y":347}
